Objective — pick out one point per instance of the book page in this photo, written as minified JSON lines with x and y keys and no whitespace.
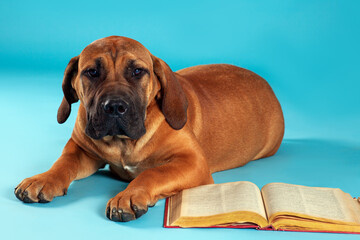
{"x":317,"y":202}
{"x":222,"y":198}
{"x":174,"y":209}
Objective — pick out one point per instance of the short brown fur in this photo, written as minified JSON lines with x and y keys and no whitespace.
{"x":199,"y":120}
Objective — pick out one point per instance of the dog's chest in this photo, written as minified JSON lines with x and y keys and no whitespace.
{"x":123,"y":159}
{"x":126,"y":172}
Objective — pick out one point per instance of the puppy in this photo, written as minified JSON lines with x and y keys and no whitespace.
{"x":161,"y":130}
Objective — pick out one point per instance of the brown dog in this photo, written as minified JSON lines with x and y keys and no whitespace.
{"x":164,"y":131}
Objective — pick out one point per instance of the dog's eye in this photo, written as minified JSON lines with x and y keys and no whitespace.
{"x":137,"y":72}
{"x":93,"y":73}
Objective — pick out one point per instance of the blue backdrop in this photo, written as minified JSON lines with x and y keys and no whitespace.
{"x":307,"y":50}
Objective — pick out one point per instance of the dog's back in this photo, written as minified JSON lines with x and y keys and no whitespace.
{"x":234,"y":114}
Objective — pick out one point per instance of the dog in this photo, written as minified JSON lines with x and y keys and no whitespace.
{"x":162,"y":131}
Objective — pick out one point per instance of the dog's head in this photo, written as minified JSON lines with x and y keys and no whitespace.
{"x":116,"y":79}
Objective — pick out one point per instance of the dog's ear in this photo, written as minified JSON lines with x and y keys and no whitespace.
{"x":70,"y":95}
{"x":173,"y":103}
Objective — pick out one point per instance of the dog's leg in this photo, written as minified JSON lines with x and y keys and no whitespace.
{"x":73,"y":164}
{"x":183,"y":170}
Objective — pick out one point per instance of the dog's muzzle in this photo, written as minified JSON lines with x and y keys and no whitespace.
{"x":116,"y":117}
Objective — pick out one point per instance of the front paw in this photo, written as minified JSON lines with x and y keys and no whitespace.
{"x":41,"y":188}
{"x":128,"y":205}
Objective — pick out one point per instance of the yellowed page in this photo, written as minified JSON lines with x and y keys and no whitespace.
{"x":234,"y":218}
{"x":317,"y":202}
{"x":299,"y":225}
{"x":216,"y":199}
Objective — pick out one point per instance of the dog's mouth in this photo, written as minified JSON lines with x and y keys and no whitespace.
{"x":113,"y":128}
{"x":108,"y":138}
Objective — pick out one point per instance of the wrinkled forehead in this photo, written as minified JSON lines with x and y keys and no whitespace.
{"x":114,"y":48}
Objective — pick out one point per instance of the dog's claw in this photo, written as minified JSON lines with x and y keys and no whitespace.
{"x":115,"y":216}
{"x":118,"y":215}
{"x":138,"y":212}
{"x":108,"y":213}
{"x":126,"y":217}
{"x":18,"y":194}
{"x":26,"y":199}
{"x":42,"y":198}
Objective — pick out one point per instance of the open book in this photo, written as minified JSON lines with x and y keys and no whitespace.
{"x":278,"y":206}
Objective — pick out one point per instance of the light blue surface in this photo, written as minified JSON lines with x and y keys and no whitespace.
{"x":307,"y":50}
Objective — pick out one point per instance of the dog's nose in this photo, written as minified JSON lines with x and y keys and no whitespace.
{"x":115,"y":108}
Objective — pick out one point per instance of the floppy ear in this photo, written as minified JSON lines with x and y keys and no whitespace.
{"x":174,"y":103}
{"x":70,"y":95}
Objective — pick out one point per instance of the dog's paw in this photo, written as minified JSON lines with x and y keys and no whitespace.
{"x":40,"y":188}
{"x":128,"y":205}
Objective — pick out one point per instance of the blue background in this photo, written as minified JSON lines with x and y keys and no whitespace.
{"x":307,"y":50}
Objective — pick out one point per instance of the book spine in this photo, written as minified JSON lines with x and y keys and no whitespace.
{"x":267,"y":228}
